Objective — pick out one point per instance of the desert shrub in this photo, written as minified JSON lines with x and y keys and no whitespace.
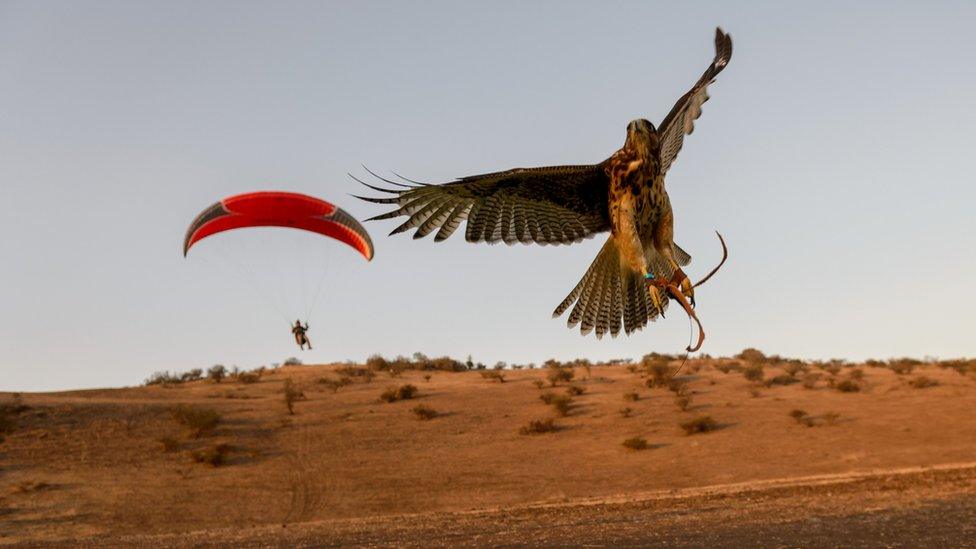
{"x":856,"y":374}
{"x":292,"y":394}
{"x":575,"y":390}
{"x":636,"y":443}
{"x":356,"y":371}
{"x":557,"y":374}
{"x":334,"y":383}
{"x":753,"y":372}
{"x":679,"y":388}
{"x":754,"y":392}
{"x":832,"y":367}
{"x":494,"y":375}
{"x":292,"y":361}
{"x":903,"y":366}
{"x":248,"y":377}
{"x":658,"y":369}
{"x":198,"y":420}
{"x":632,"y":396}
{"x":752,"y":356}
{"x":162,"y":378}
{"x":539,"y":384}
{"x":217,"y":373}
{"x":539,"y":426}
{"x":782,"y":379}
{"x":922,"y":382}
{"x":427,"y":377}
{"x":847,"y":386}
{"x":215,"y":456}
{"x":792,"y":368}
{"x":810,"y":381}
{"x":547,"y":397}
{"x":701,"y":424}
{"x":683,"y":402}
{"x":424,"y":412}
{"x":625,"y":412}
{"x":169,"y":444}
{"x":403,"y":392}
{"x":192,"y":375}
{"x":961,"y":366}
{"x":798,"y":415}
{"x":561,"y":404}
{"x":8,"y":411}
{"x":632,"y":368}
{"x":726,"y":367}
{"x":377,"y":363}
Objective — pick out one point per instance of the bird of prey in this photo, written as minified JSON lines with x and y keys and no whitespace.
{"x":639,"y":267}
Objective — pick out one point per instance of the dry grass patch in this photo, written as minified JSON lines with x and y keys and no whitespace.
{"x":922,"y":382}
{"x":403,"y":392}
{"x":575,"y":390}
{"x":292,"y":394}
{"x":631,"y":396}
{"x":334,"y":383}
{"x":198,"y":420}
{"x":683,"y":402}
{"x":701,"y":424}
{"x":424,"y":412}
{"x":215,"y":456}
{"x":494,"y":375}
{"x":847,"y":386}
{"x":169,"y":444}
{"x":538,"y":427}
{"x":753,"y":373}
{"x":636,"y":443}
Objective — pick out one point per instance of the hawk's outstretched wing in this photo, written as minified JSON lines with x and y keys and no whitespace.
{"x":551,"y":205}
{"x":681,"y":120}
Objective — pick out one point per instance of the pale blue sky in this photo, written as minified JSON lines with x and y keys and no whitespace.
{"x":835,"y":155}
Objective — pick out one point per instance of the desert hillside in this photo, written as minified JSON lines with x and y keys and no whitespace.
{"x":393,"y":439}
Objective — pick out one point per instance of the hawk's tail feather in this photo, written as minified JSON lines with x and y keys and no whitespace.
{"x":610,"y":295}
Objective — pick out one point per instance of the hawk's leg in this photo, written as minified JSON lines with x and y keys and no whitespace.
{"x":653,"y":285}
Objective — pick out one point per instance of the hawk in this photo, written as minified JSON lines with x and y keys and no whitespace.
{"x":639,"y":267}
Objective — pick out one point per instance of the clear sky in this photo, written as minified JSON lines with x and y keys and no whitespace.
{"x":835,"y":156}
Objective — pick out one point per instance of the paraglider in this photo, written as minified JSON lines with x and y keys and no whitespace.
{"x":286,"y":210}
{"x":279,"y":209}
{"x":301,"y":338}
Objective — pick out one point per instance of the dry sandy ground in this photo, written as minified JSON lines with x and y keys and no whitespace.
{"x":897,"y":467}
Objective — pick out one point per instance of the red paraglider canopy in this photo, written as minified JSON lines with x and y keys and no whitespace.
{"x":279,"y":209}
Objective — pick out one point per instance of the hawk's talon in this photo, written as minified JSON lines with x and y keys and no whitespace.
{"x":652,"y":289}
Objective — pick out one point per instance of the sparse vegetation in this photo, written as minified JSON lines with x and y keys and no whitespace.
{"x":557,"y":373}
{"x":169,"y":444}
{"x":856,"y":374}
{"x":496,"y":375}
{"x":198,"y":420}
{"x":214,"y":456}
{"x":753,"y":373}
{"x":922,"y":382}
{"x":683,"y":402}
{"x":292,"y":394}
{"x":679,"y":388}
{"x":335,"y":383}
{"x":810,"y":380}
{"x":625,"y":412}
{"x":539,"y":426}
{"x":575,"y":390}
{"x":752,"y":356}
{"x":424,"y":412}
{"x":726,"y":367}
{"x":538,"y":383}
{"x":636,"y":443}
{"x":248,"y":377}
{"x":782,"y":379}
{"x":847,"y":386}
{"x":292,"y":361}
{"x":701,"y":424}
{"x":560,"y":403}
{"x":798,"y":415}
{"x":427,"y":377}
{"x":831,"y":418}
{"x":658,"y":369}
{"x":631,"y":396}
{"x":217,"y":373}
{"x":403,"y":392}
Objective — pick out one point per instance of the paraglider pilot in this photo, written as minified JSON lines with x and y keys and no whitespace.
{"x":300,"y":337}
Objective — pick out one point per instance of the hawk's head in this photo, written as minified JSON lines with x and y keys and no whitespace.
{"x":642,"y":137}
